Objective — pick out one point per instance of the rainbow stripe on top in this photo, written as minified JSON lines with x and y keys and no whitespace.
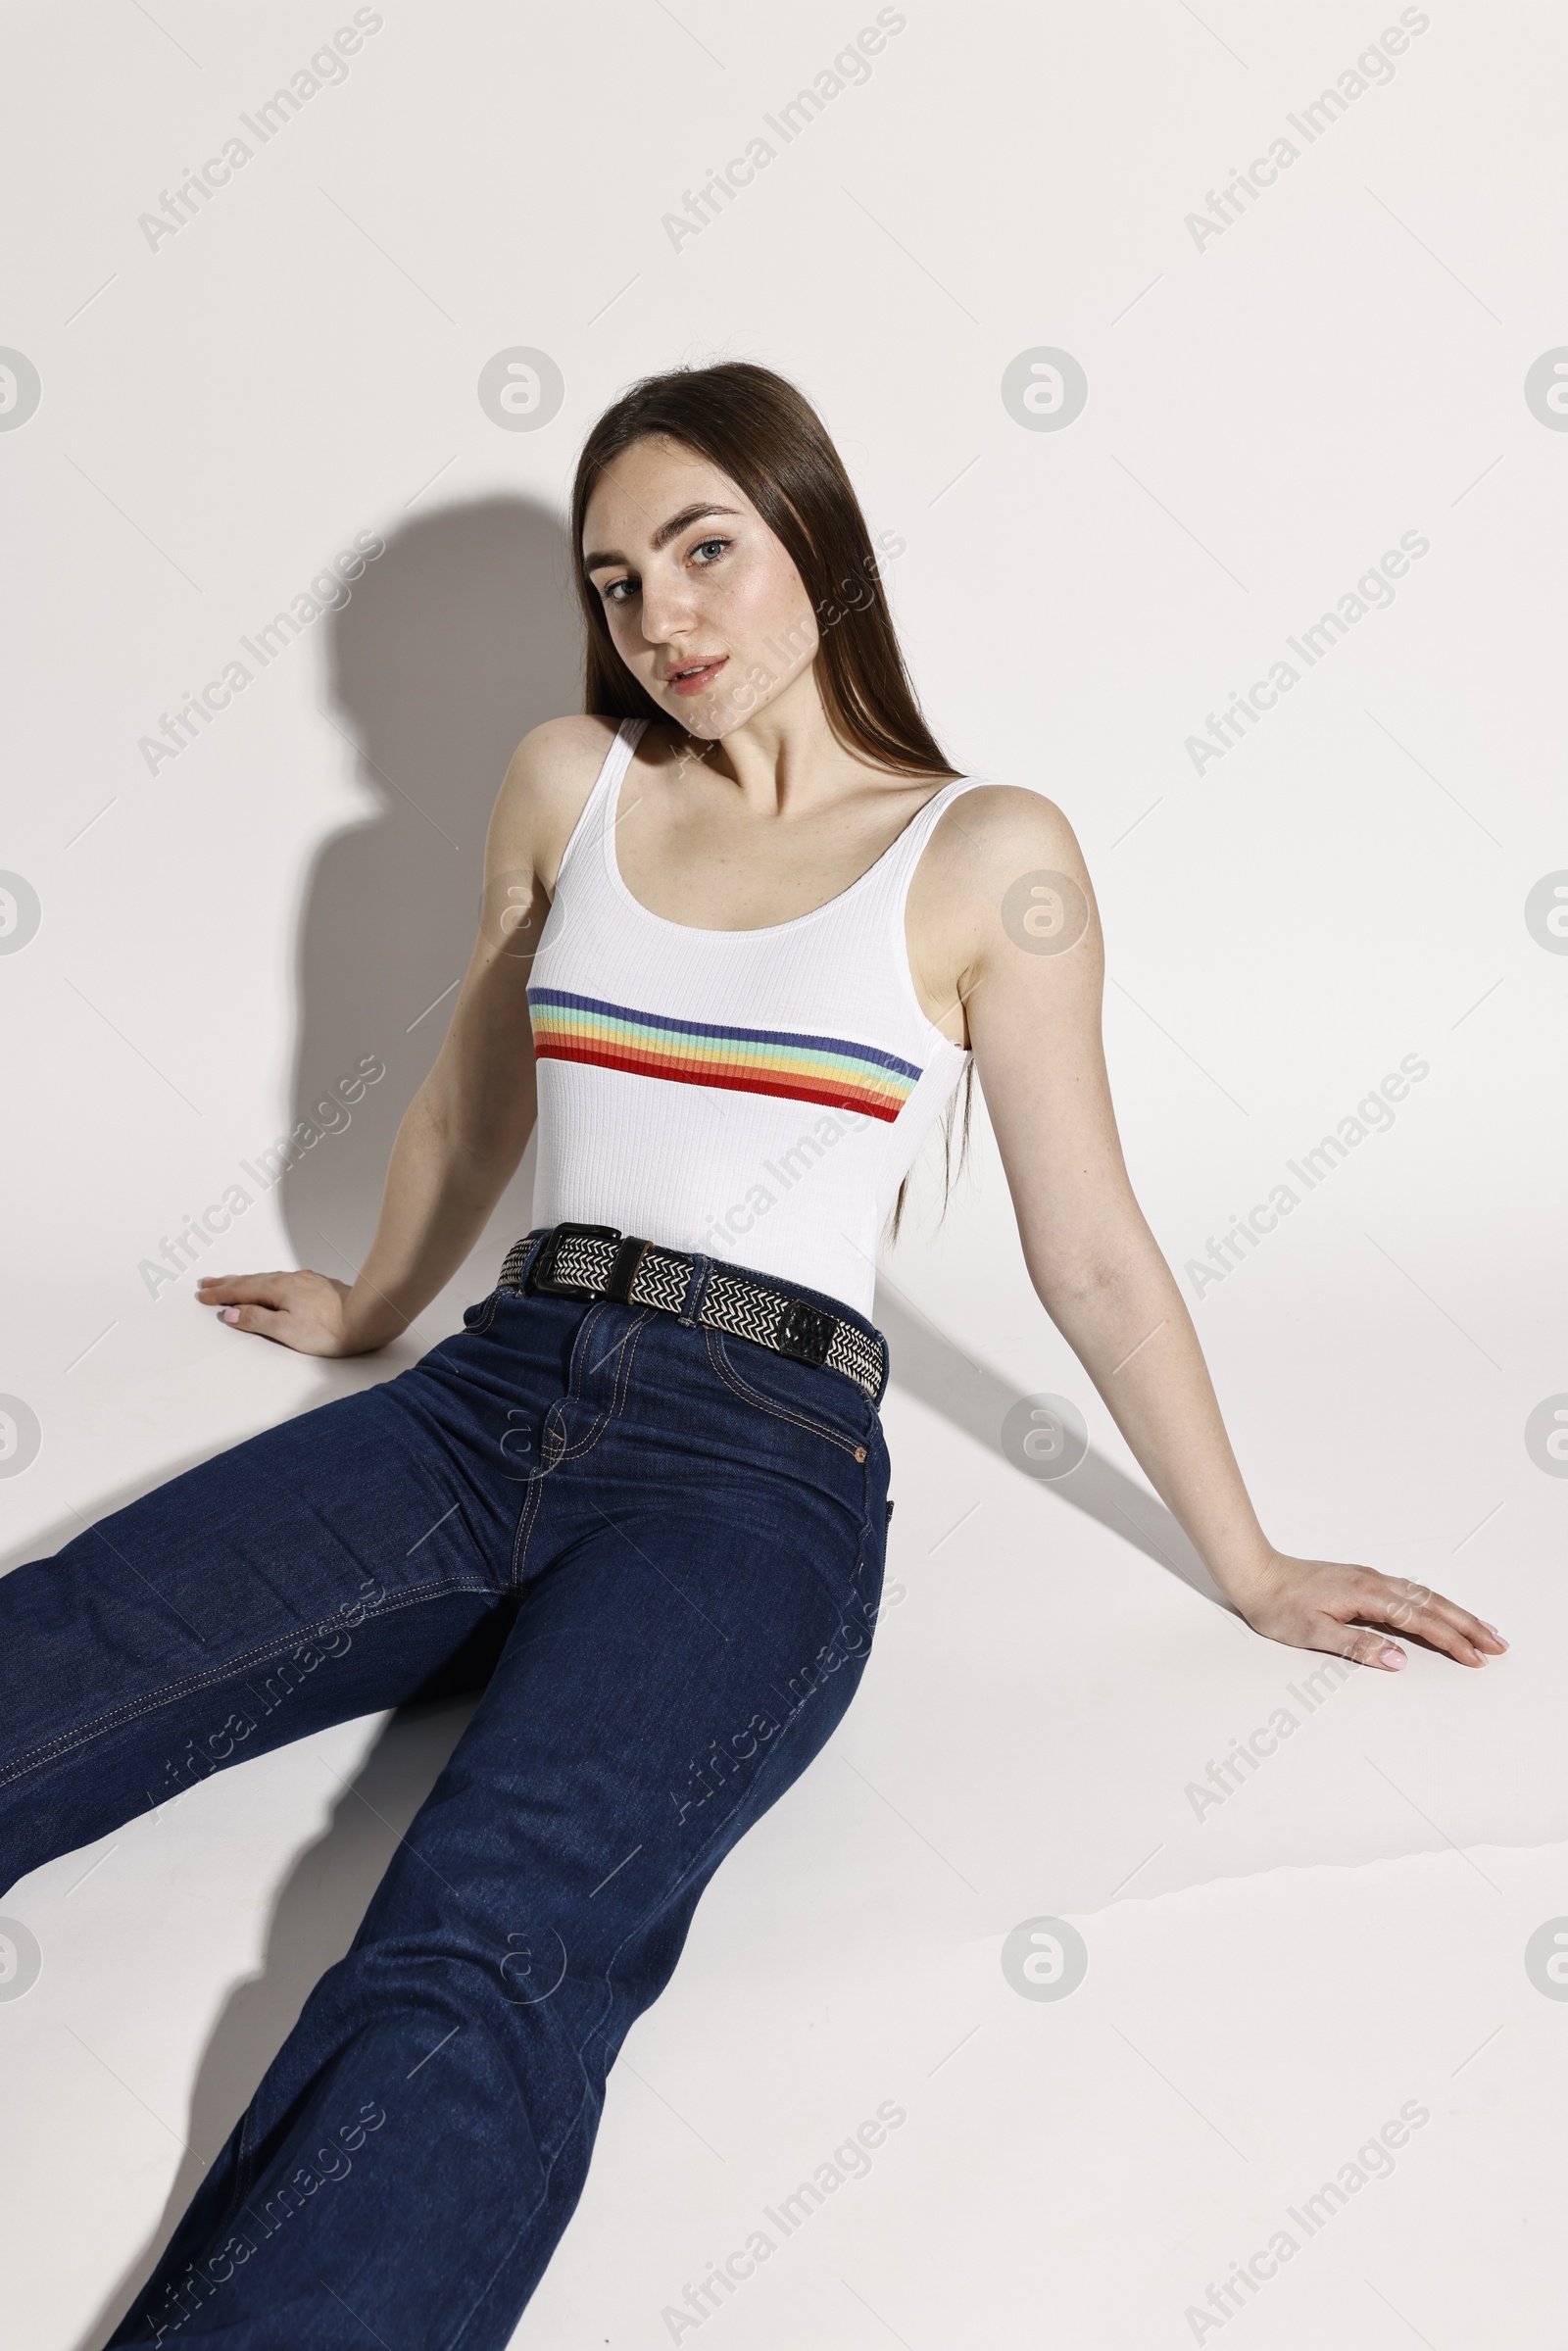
{"x":701,"y":1052}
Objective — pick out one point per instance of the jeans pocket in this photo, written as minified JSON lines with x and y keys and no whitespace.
{"x":828,"y":1403}
{"x":479,"y":1317}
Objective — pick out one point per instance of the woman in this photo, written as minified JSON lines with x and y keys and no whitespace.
{"x":743,"y":943}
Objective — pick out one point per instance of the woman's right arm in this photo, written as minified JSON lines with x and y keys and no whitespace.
{"x":468,"y":1125}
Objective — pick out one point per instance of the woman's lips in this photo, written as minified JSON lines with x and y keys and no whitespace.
{"x":696,"y":680}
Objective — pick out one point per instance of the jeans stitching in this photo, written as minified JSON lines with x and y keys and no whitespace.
{"x":626,"y":1350}
{"x":625,"y":1347}
{"x":573,"y":1395}
{"x":529,"y":1512}
{"x":734,"y":1381}
{"x":133,"y":1710}
{"x":528,"y":1516}
{"x":491,"y":1303}
{"x":530,"y":1508}
{"x":624,"y":1369}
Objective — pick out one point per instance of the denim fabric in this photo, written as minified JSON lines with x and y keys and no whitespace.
{"x":658,"y":1551}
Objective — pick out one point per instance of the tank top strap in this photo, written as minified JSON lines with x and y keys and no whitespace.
{"x":898,"y":868}
{"x":599,"y":809}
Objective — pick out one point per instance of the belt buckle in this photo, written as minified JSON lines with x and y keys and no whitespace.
{"x":804,"y":1331}
{"x":542,"y":1273}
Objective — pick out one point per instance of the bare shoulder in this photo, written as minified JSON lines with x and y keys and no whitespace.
{"x":995,"y":831}
{"x":992,"y":839}
{"x":542,"y":795}
{"x":994,"y":861}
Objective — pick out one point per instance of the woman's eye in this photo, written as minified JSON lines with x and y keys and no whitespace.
{"x":710,"y":549}
{"x":613,"y":594}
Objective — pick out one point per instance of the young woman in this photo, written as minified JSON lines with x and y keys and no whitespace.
{"x":743,"y":929}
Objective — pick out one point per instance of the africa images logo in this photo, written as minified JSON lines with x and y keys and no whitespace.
{"x":1546,"y":389}
{"x":20,"y":389}
{"x":1044,"y":389}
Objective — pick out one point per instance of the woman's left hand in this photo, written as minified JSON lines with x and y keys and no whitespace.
{"x":1324,"y":1605}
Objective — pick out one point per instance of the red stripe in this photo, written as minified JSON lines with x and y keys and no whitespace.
{"x":843,"y":1098}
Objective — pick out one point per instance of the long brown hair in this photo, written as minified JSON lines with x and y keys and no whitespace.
{"x":766,"y":436}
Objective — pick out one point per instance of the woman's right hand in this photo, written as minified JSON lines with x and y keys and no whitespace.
{"x":308,"y":1311}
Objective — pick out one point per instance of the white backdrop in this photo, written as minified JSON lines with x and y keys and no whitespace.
{"x":209,"y":921}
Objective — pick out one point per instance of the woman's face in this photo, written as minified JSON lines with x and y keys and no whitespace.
{"x":704,"y":605}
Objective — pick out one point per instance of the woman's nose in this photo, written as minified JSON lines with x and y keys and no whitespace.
{"x":667,"y":608}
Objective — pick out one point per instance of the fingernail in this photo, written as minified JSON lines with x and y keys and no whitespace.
{"x":1493,"y":1630}
{"x":1393,"y":1659}
{"x":229,"y":1314}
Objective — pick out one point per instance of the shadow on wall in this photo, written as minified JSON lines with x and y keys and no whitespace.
{"x":456,"y":641}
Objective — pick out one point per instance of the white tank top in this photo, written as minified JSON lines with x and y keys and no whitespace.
{"x":756,"y":1095}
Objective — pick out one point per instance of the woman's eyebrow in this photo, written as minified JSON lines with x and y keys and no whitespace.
{"x":663,"y":534}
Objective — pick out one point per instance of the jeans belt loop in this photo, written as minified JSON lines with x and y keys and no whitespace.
{"x":623,"y":1269}
{"x":696,"y":1289}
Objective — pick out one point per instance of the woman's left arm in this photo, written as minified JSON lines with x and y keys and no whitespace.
{"x":1024,"y":938}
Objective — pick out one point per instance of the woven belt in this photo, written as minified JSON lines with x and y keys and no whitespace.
{"x":597,"y":1260}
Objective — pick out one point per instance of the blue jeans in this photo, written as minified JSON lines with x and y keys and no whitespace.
{"x":658,"y":1551}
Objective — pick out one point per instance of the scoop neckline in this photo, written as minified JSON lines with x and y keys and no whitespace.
{"x":761,"y":930}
